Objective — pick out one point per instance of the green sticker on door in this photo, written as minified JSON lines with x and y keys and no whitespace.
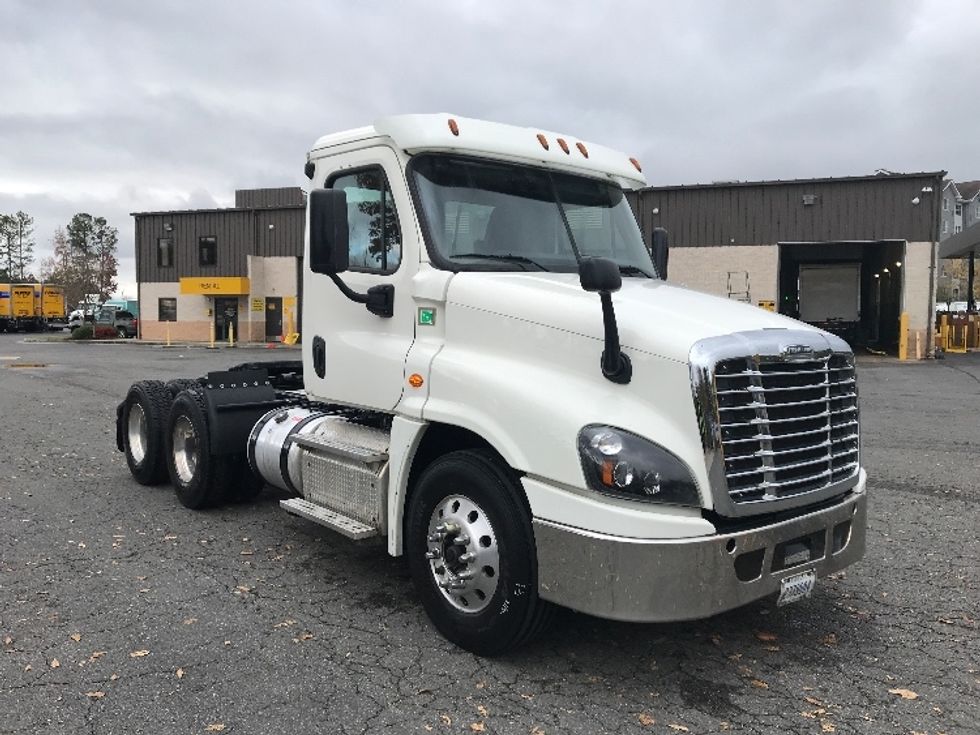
{"x":427,"y":317}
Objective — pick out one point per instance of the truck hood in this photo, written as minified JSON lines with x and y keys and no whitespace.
{"x":653,"y":316}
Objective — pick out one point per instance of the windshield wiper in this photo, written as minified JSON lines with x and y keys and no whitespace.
{"x":507,"y":257}
{"x":632,"y":270}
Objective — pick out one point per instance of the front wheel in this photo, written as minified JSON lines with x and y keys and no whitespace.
{"x":471,"y":553}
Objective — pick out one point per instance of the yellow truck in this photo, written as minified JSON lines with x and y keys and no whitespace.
{"x":31,"y":307}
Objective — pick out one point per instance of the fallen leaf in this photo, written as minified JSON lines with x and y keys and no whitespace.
{"x":766,"y":636}
{"x":716,"y":639}
{"x":428,"y":728}
{"x":190,"y":621}
{"x":482,"y":710}
{"x":813,"y":700}
{"x":678,"y":728}
{"x":215,"y":727}
{"x":170,"y":537}
{"x":446,"y":720}
{"x":7,"y":640}
{"x":537,"y":730}
{"x":827,"y":726}
{"x":76,"y":637}
{"x":477,"y":726}
{"x":55,"y":663}
{"x":95,"y":695}
{"x":139,"y":654}
{"x":904,"y":693}
{"x":28,"y":667}
{"x":814,"y":714}
{"x":759,"y":684}
{"x":113,"y":677}
{"x":771,"y":648}
{"x":481,"y":684}
{"x":246,"y":552}
{"x":284,"y":624}
{"x":829,"y":640}
{"x":645,"y":719}
{"x":95,"y":655}
{"x":180,"y":673}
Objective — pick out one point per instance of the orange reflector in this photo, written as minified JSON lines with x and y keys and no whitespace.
{"x":415,"y":380}
{"x":453,"y":127}
{"x":607,"y":472}
{"x":636,"y":164}
{"x":543,"y":141}
{"x":563,"y":144}
{"x":582,"y":149}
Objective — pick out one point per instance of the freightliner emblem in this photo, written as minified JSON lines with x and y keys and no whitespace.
{"x":797,"y":350}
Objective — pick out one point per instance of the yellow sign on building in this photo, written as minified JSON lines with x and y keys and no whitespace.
{"x":258,"y":304}
{"x":215,"y":286}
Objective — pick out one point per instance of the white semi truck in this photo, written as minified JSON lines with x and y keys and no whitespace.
{"x":497,"y":380}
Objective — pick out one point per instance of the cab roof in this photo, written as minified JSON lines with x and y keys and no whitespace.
{"x":445,"y":132}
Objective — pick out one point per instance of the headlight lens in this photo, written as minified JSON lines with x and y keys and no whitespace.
{"x":619,"y":463}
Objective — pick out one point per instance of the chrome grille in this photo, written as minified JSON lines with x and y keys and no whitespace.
{"x":788,"y":427}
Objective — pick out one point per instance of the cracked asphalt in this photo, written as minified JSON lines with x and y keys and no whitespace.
{"x":123,"y":612}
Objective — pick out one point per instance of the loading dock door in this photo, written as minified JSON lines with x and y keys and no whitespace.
{"x":830,"y":292}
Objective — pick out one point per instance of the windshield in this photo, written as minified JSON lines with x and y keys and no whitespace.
{"x":502,"y":216}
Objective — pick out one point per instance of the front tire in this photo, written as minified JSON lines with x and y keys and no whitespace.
{"x":471,"y":553}
{"x":144,"y":426}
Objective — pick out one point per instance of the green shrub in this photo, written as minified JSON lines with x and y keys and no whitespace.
{"x":104,"y":332}
{"x":82,"y":333}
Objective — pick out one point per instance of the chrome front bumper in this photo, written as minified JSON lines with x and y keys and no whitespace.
{"x":658,"y":581}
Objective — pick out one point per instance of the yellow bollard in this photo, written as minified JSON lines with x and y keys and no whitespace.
{"x":212,"y":336}
{"x":944,"y":331}
{"x":231,"y":335}
{"x":903,"y":336}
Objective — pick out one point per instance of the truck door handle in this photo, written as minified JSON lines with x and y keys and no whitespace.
{"x":319,"y":357}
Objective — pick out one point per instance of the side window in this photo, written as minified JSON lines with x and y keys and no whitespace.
{"x":207,"y":250}
{"x":167,"y":310}
{"x":375,"y":238}
{"x":165,"y":252}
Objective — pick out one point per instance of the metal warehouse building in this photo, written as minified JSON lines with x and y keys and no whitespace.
{"x":237,"y":269}
{"x":751,"y":241}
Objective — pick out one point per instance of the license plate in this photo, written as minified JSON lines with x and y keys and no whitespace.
{"x":796,"y":587}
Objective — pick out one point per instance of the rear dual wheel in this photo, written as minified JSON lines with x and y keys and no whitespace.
{"x":201,"y":478}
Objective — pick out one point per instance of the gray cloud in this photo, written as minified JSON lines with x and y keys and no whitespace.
{"x":117,"y":106}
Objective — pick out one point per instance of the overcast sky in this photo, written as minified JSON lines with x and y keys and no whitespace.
{"x":115,"y":107}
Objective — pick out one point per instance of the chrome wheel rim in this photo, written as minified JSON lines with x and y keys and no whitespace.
{"x":186,"y":449}
{"x":462,"y":553}
{"x":136,"y":428}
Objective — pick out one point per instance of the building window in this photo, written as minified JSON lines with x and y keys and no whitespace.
{"x":207,"y":250}
{"x":168,"y":310}
{"x":958,"y":229}
{"x":977,"y":211}
{"x":375,"y":238}
{"x":165,"y":252}
{"x":945,"y":204}
{"x":959,"y":209}
{"x":945,"y":227}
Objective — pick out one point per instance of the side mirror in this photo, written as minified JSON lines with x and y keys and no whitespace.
{"x":599,"y":274}
{"x":329,"y":233}
{"x":659,"y":251}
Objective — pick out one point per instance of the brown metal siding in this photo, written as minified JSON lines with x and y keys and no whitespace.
{"x":286,"y":235}
{"x":281,"y":197}
{"x":878,"y":208}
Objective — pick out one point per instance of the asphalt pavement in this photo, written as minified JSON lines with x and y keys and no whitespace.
{"x":123,"y":612}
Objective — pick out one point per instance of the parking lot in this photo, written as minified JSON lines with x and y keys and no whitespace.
{"x":123,"y":612}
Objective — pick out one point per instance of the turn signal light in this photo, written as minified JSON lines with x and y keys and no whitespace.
{"x":543,"y":141}
{"x":415,"y":380}
{"x":582,"y":149}
{"x":453,"y":127}
{"x":563,"y":144}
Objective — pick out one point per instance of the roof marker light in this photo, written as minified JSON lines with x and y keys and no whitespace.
{"x":453,"y":127}
{"x":636,"y":165}
{"x":563,"y":144}
{"x":543,"y":141}
{"x":582,"y":149}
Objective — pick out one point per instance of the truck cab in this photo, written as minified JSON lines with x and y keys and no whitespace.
{"x":499,"y":381}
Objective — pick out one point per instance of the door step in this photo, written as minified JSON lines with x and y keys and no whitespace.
{"x":349,"y":527}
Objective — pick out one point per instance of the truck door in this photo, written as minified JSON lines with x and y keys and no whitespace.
{"x":359,"y":358}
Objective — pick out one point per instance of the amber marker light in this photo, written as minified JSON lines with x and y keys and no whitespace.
{"x":543,"y":141}
{"x":607,"y":472}
{"x":636,"y":165}
{"x":453,"y":127}
{"x":582,"y":149}
{"x":415,"y":380}
{"x":563,"y":145}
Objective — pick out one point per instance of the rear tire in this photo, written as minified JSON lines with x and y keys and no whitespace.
{"x":144,"y":431}
{"x":200,"y":478}
{"x":486,"y":550}
{"x":175,"y":386}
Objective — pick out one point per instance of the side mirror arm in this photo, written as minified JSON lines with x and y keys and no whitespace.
{"x":379,"y":300}
{"x":616,"y":365}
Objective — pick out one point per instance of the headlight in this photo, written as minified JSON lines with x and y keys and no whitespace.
{"x":619,"y":463}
